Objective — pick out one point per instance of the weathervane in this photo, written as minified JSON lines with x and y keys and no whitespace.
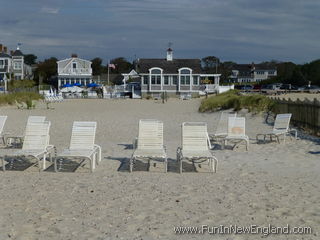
{"x":170,"y":44}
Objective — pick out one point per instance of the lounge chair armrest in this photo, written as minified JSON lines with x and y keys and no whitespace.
{"x":97,"y":147}
{"x":50,"y":148}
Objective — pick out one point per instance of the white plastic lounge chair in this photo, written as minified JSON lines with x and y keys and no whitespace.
{"x":149,"y":143}
{"x":195,"y":145}
{"x":82,"y":144}
{"x":2,"y":123}
{"x":237,"y":131}
{"x":281,"y":127}
{"x":36,"y":143}
{"x":19,"y":139}
{"x":222,"y":127}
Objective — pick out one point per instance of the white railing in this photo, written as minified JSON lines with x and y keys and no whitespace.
{"x":76,"y":71}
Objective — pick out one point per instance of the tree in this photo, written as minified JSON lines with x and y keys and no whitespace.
{"x":225,"y":69}
{"x":47,"y":69}
{"x":122,"y":65}
{"x":311,"y":71}
{"x":30,"y":59}
{"x":210,"y":63}
{"x":97,"y":67}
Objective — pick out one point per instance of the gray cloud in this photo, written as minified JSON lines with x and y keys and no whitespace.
{"x":238,"y":30}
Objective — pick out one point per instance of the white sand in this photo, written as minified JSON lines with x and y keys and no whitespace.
{"x":271,"y":184}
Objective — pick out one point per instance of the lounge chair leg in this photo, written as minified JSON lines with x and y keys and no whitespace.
{"x":44,"y":162}
{"x":165,"y":165}
{"x":55,"y":165}
{"x":3,"y":165}
{"x":131,"y":164}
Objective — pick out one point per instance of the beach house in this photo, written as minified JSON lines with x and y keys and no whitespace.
{"x":13,"y":64}
{"x":173,"y":76}
{"x":248,"y":73}
{"x":74,"y":70}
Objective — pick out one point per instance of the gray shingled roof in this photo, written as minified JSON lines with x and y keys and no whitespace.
{"x":17,"y":53}
{"x":169,"y":66}
{"x":4,"y":55}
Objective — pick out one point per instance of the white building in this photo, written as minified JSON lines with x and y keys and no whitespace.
{"x":249,"y":73}
{"x":170,"y":75}
{"x":74,"y":70}
{"x":13,"y":65}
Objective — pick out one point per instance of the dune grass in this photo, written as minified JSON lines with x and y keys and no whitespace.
{"x":232,"y":99}
{"x":26,"y":97}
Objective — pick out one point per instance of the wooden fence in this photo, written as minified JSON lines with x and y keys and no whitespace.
{"x":305,"y":114}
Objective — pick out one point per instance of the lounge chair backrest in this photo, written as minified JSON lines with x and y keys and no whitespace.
{"x":2,"y":122}
{"x":222,"y":127}
{"x":236,"y":126}
{"x":83,"y":135}
{"x":150,"y":134}
{"x":36,"y":119}
{"x":282,"y":122}
{"x":36,"y":136}
{"x":194,"y":136}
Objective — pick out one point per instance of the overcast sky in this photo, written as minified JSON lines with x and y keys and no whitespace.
{"x":235,"y":30}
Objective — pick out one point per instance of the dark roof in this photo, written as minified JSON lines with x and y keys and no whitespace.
{"x":17,"y":53}
{"x":248,"y":67}
{"x":4,"y":55}
{"x":169,"y":66}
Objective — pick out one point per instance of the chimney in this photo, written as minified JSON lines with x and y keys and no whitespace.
{"x":169,"y":54}
{"x":1,"y":47}
{"x":74,"y":55}
{"x":5,"y":49}
{"x":11,"y":52}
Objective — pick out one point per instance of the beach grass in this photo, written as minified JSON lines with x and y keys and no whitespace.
{"x":26,"y":97}
{"x":233,"y":99}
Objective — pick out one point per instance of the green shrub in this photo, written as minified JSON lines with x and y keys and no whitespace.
{"x":20,"y":84}
{"x":232,"y":99}
{"x":26,"y":97}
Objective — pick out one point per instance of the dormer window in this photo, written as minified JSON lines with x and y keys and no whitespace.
{"x":74,"y":65}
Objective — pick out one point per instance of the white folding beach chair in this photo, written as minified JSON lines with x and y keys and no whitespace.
{"x":36,"y":143}
{"x":195,"y":145}
{"x":222,"y":127}
{"x":281,"y":127}
{"x":3,"y":120}
{"x":82,"y":144}
{"x":237,"y":131}
{"x":149,"y":143}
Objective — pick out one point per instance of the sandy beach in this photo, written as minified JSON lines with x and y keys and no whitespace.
{"x":272,"y":183}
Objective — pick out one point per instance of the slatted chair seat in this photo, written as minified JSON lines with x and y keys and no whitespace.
{"x":153,"y":153}
{"x":237,"y":131}
{"x":82,"y":144}
{"x":149,"y":142}
{"x":195,"y":145}
{"x":36,"y":143}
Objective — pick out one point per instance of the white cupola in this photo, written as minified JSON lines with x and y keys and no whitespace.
{"x":169,"y":54}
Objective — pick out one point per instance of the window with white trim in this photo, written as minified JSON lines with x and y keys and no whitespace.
{"x":185,"y":76}
{"x":17,"y":65}
{"x":1,"y":63}
{"x":195,"y":80}
{"x":174,"y":80}
{"x":166,"y":80}
{"x":155,"y":76}
{"x":145,"y":80}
